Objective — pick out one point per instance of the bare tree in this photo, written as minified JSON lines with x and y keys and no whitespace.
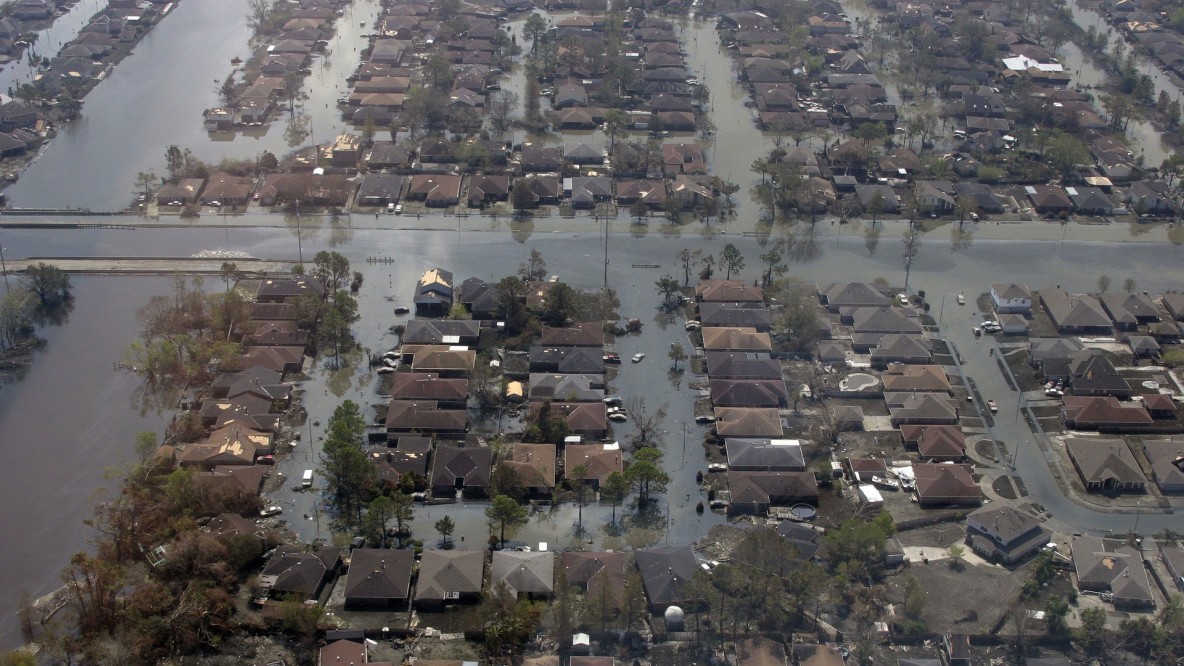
{"x":646,"y":422}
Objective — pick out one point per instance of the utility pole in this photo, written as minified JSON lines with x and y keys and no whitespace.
{"x":299,"y":240}
{"x":4,"y":269}
{"x":606,"y":253}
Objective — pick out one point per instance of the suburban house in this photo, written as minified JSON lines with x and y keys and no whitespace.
{"x":742,"y":365}
{"x":1105,"y":465}
{"x":600,"y":460}
{"x":1075,"y":313}
{"x":223,"y":189}
{"x":894,"y":348}
{"x":1092,"y":374}
{"x":231,"y":445}
{"x":744,"y":314}
{"x":448,"y":393}
{"x":935,"y":442}
{"x":379,"y":577}
{"x":480,"y":298}
{"x":1173,"y":561}
{"x":1097,"y":412}
{"x":528,"y":575}
{"x":449,"y":576}
{"x":747,"y":422}
{"x":582,"y":334}
{"x":441,"y":331}
{"x":755,"y":492}
{"x":1050,"y":356}
{"x":728,"y":291}
{"x":763,"y":454}
{"x":280,"y":290}
{"x":1011,"y":298}
{"x":921,"y":409}
{"x":1109,"y":565}
{"x":749,"y":393}
{"x":445,"y":360}
{"x":1167,"y":463}
{"x":1128,"y":311}
{"x":379,"y":189}
{"x":435,"y":190}
{"x":600,"y":575}
{"x":1049,"y":199}
{"x":839,"y":295}
{"x":920,"y":378}
{"x":666,"y":575}
{"x":464,"y":468}
{"x":1005,"y":533}
{"x":735,"y":338}
{"x":942,"y":485}
{"x":535,"y":466}
{"x":566,"y":388}
{"x":589,"y":419}
{"x":425,"y":416}
{"x":184,"y":192}
{"x":433,"y":292}
{"x":291,"y":571}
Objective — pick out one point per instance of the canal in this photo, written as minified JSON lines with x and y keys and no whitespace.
{"x":154,"y":98}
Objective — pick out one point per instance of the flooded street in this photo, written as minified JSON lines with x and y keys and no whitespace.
{"x":51,"y":471}
{"x":143,"y":107}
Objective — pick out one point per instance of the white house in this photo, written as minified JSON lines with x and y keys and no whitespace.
{"x":1011,"y":298}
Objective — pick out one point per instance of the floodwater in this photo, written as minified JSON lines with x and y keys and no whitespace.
{"x":71,"y":417}
{"x":50,"y":40}
{"x":151,"y":101}
{"x":52,"y":465}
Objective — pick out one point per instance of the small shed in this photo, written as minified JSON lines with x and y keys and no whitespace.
{"x":869,"y":497}
{"x":1013,"y":324}
{"x":848,"y":418}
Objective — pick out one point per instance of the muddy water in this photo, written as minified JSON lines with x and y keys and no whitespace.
{"x":71,"y":417}
{"x":93,"y":162}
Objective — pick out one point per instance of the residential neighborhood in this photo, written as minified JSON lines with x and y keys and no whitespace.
{"x":591,"y":332}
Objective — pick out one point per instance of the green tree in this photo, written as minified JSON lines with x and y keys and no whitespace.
{"x":646,"y":474}
{"x":669,"y":288}
{"x":339,"y":316}
{"x":534,"y":29}
{"x":506,"y":513}
{"x":505,"y":480}
{"x":773,"y":266}
{"x":687,"y":258}
{"x":579,"y":476}
{"x":50,"y":284}
{"x":1103,"y":283}
{"x":144,"y":181}
{"x":332,"y":268}
{"x":1092,"y":634}
{"x":351,"y":480}
{"x":797,"y":318}
{"x":731,"y":260}
{"x":378,"y":513}
{"x":616,"y":122}
{"x":445,"y":526}
{"x":677,"y":354}
{"x":614,"y":490}
{"x":1066,"y":153}
{"x":1055,"y":611}
{"x":522,"y":198}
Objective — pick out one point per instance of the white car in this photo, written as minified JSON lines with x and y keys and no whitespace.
{"x":903,"y":298}
{"x":272,"y":510}
{"x":717,"y":467}
{"x":398,"y":209}
{"x":638,"y":357}
{"x":961,"y":299}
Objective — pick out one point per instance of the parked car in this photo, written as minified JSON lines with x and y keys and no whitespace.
{"x":961,"y":299}
{"x":903,"y":298}
{"x":704,"y":419}
{"x":272,"y":510}
{"x":618,"y":417}
{"x":265,"y":460}
{"x":612,"y":357}
{"x":638,"y":357}
{"x":717,"y":467}
{"x":992,"y":406}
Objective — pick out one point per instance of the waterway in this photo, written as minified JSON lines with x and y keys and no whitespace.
{"x":154,"y":98}
{"x":71,"y":417}
{"x":50,"y":40}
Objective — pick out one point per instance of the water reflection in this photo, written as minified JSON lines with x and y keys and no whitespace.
{"x":522,"y":228}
